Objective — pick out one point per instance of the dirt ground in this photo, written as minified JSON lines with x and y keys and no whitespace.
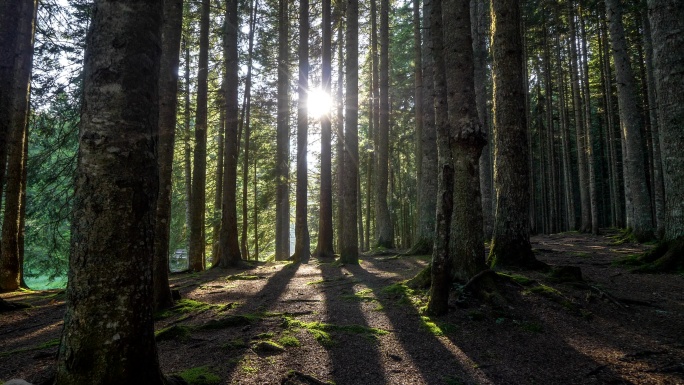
{"x":320,"y":323}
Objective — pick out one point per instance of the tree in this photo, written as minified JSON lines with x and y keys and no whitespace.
{"x":14,"y":126}
{"x":199,"y":172}
{"x":168,"y":100}
{"x":282,"y":241}
{"x":229,"y":248}
{"x":511,"y":237}
{"x":639,"y":215}
{"x":667,"y":16}
{"x":302,"y":240}
{"x":324,"y":249}
{"x":108,"y":335}
{"x":349,"y":252}
{"x":384,"y":236}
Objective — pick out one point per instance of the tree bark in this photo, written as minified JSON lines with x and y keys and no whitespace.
{"x":630,"y":120}
{"x":229,"y":248}
{"x":168,"y":101}
{"x":511,"y":240}
{"x":339,"y":124}
{"x":282,"y":240}
{"x":199,"y":171}
{"x":349,"y":252}
{"x":108,"y":335}
{"x":569,"y":179}
{"x":10,"y":257}
{"x":667,"y":22}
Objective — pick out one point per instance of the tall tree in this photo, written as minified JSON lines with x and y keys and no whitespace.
{"x":339,"y":121}
{"x":168,"y":101}
{"x":282,"y":241}
{"x":108,"y":335}
{"x":324,"y":248}
{"x":511,"y":237}
{"x":22,"y":55}
{"x":302,"y":240}
{"x":634,"y":160}
{"x":427,"y":193}
{"x":199,"y":172}
{"x":349,"y":252}
{"x":229,"y":248}
{"x":666,"y":18}
{"x":384,"y":232}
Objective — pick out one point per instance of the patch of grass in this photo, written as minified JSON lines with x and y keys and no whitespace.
{"x":180,"y":332}
{"x":238,"y":343}
{"x":242,"y":277}
{"x":517,"y":278}
{"x":200,"y":376}
{"x":44,"y":345}
{"x":289,"y":341}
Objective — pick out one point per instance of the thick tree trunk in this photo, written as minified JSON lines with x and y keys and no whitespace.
{"x":282,"y":241}
{"x":324,"y":248}
{"x":199,"y":171}
{"x":384,"y":232}
{"x":630,"y":120}
{"x":187,"y":150}
{"x":667,"y":22}
{"x":108,"y":335}
{"x":466,"y":139}
{"x":418,"y":94}
{"x":10,"y":258}
{"x":168,"y":101}
{"x":569,"y":179}
{"x":511,"y":240}
{"x":218,"y":197}
{"x":349,"y":252}
{"x":302,"y":240}
{"x":339,"y":125}
{"x":247,"y":124}
{"x":229,"y":248}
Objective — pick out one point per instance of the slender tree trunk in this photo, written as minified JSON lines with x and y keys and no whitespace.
{"x":302,"y":240}
{"x":256,"y":210}
{"x":666,"y":17}
{"x":339,"y":126}
{"x":418,"y":92}
{"x":511,"y":240}
{"x":324,"y":248}
{"x":187,"y":160}
{"x":168,"y":101}
{"x":10,"y":257}
{"x":282,"y":240}
{"x":384,"y":232}
{"x":569,"y":179}
{"x":585,"y":201}
{"x":349,"y":253}
{"x":108,"y":334}
{"x":218,"y":197}
{"x":199,"y":172}
{"x":630,"y":120}
{"x":229,"y":248}
{"x":657,"y":172}
{"x":247,"y":124}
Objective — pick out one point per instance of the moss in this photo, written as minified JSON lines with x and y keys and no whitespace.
{"x":229,"y":321}
{"x":321,"y":331}
{"x":629,"y":260}
{"x":242,"y":277}
{"x":517,"y":278}
{"x":238,"y":343}
{"x":200,"y":376}
{"x":264,"y":336}
{"x":184,"y":306}
{"x":544,"y":290}
{"x":268,"y":347}
{"x":44,"y":345}
{"x":289,"y":341}
{"x":180,"y":332}
{"x":361,"y":296}
{"x":436,"y":328}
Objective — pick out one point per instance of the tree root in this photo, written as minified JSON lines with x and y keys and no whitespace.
{"x":667,"y":257}
{"x":6,"y":306}
{"x":422,"y":280}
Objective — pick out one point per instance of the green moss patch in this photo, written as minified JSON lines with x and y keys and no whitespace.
{"x":200,"y":376}
{"x":180,"y":332}
{"x":267,"y":347}
{"x":289,"y":341}
{"x":517,"y":278}
{"x":236,"y":344}
{"x":243,"y":277}
{"x":321,"y":331}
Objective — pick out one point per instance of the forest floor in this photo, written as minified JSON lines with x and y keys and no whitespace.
{"x":321,"y":323}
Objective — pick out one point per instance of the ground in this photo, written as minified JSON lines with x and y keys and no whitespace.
{"x":323,"y":323}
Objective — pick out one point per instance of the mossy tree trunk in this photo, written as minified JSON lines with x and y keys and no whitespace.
{"x":108,"y":335}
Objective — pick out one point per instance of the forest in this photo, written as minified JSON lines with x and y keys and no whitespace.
{"x":341,"y":192}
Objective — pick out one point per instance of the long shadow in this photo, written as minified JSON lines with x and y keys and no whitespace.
{"x":355,"y":358}
{"x":513,"y":351}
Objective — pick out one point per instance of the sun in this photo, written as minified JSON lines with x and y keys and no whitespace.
{"x":318,"y":103}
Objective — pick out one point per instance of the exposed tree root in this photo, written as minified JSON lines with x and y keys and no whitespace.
{"x":422,"y":247}
{"x":10,"y":306}
{"x":422,"y":280}
{"x":667,"y":257}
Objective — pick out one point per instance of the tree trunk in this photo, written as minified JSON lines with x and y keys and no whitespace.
{"x":229,"y":248}
{"x":511,"y":240}
{"x":10,"y":258}
{"x":384,"y":232}
{"x":168,"y":101}
{"x":187,"y":153}
{"x":569,"y":179}
{"x":667,"y":22}
{"x":199,"y":172}
{"x":418,"y":92}
{"x":282,"y":240}
{"x":108,"y":335}
{"x":218,"y":197}
{"x":630,"y":120}
{"x":339,"y":125}
{"x":349,"y":253}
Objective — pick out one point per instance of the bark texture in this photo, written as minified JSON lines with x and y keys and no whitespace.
{"x":108,"y":335}
{"x":282,"y":241}
{"x":637,"y":194}
{"x":511,"y":238}
{"x":168,"y":90}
